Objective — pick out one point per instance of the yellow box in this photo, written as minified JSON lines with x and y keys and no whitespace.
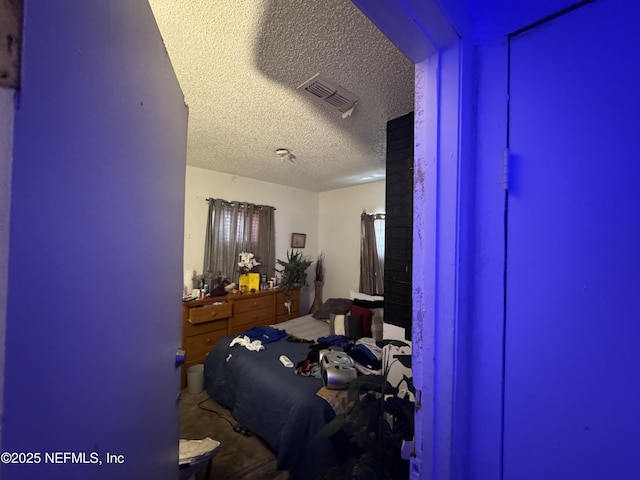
{"x":250,"y":281}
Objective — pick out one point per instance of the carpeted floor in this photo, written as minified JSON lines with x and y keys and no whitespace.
{"x":239,"y":457}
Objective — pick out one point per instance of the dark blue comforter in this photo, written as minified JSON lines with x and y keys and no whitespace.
{"x":273,"y":402}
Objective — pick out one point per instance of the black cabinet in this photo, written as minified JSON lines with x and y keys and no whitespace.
{"x":399,"y":223}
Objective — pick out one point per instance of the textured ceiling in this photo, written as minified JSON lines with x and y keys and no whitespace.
{"x":239,"y":63}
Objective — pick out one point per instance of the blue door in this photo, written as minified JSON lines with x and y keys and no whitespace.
{"x":96,"y":246}
{"x":572,"y":359}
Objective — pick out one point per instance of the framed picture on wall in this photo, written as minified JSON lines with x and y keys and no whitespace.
{"x":298,"y":240}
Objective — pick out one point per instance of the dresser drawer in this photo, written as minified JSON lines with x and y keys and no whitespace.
{"x":207,"y":313}
{"x":198,"y":346}
{"x":282,"y":314}
{"x":286,"y":316}
{"x":245,"y":321}
{"x":190,"y":330}
{"x":252,"y":303}
{"x":281,"y":309}
{"x":294,"y":296}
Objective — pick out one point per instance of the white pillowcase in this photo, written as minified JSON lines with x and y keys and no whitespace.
{"x":363,"y":296}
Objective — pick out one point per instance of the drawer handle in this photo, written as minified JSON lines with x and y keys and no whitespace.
{"x":208,"y":340}
{"x":213,"y":314}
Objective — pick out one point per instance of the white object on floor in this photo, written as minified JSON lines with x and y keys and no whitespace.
{"x":190,"y":450}
{"x":195,"y":378}
{"x":247,"y":343}
{"x":285,"y":361}
{"x":194,"y":455}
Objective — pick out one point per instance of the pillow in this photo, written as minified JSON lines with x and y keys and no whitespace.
{"x":377,"y":323}
{"x":371,"y":304}
{"x":367,"y":317}
{"x":333,"y":305}
{"x":363,"y":296}
{"x":348,"y":325}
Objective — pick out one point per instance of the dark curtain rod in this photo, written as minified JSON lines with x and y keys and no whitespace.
{"x":226,"y":202}
{"x":376,"y":215}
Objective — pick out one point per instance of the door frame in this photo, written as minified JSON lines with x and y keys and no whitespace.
{"x":436,"y":41}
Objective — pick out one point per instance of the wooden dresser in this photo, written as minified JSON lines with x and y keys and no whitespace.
{"x":206,"y":321}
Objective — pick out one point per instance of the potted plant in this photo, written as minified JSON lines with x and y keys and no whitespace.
{"x":293,"y":273}
{"x":374,"y":427}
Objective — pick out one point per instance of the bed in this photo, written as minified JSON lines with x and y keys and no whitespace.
{"x":271,"y":400}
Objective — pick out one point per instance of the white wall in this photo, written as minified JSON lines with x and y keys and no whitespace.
{"x":339,"y":221}
{"x":296,"y":211}
{"x":6,"y":156}
{"x":331,"y":221}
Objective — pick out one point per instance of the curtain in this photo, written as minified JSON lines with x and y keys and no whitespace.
{"x":372,"y":253}
{"x":234,"y":227}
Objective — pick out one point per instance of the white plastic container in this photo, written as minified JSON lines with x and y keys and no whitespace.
{"x":195,"y":378}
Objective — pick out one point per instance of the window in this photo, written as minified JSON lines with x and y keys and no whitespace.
{"x":234,"y":227}
{"x":372,"y":253}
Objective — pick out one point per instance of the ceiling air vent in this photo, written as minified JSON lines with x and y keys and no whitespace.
{"x":330,"y":92}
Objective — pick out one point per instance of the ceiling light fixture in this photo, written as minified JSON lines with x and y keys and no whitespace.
{"x":285,"y":154}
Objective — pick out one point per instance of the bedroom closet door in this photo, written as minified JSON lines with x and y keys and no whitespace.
{"x":572,"y":315}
